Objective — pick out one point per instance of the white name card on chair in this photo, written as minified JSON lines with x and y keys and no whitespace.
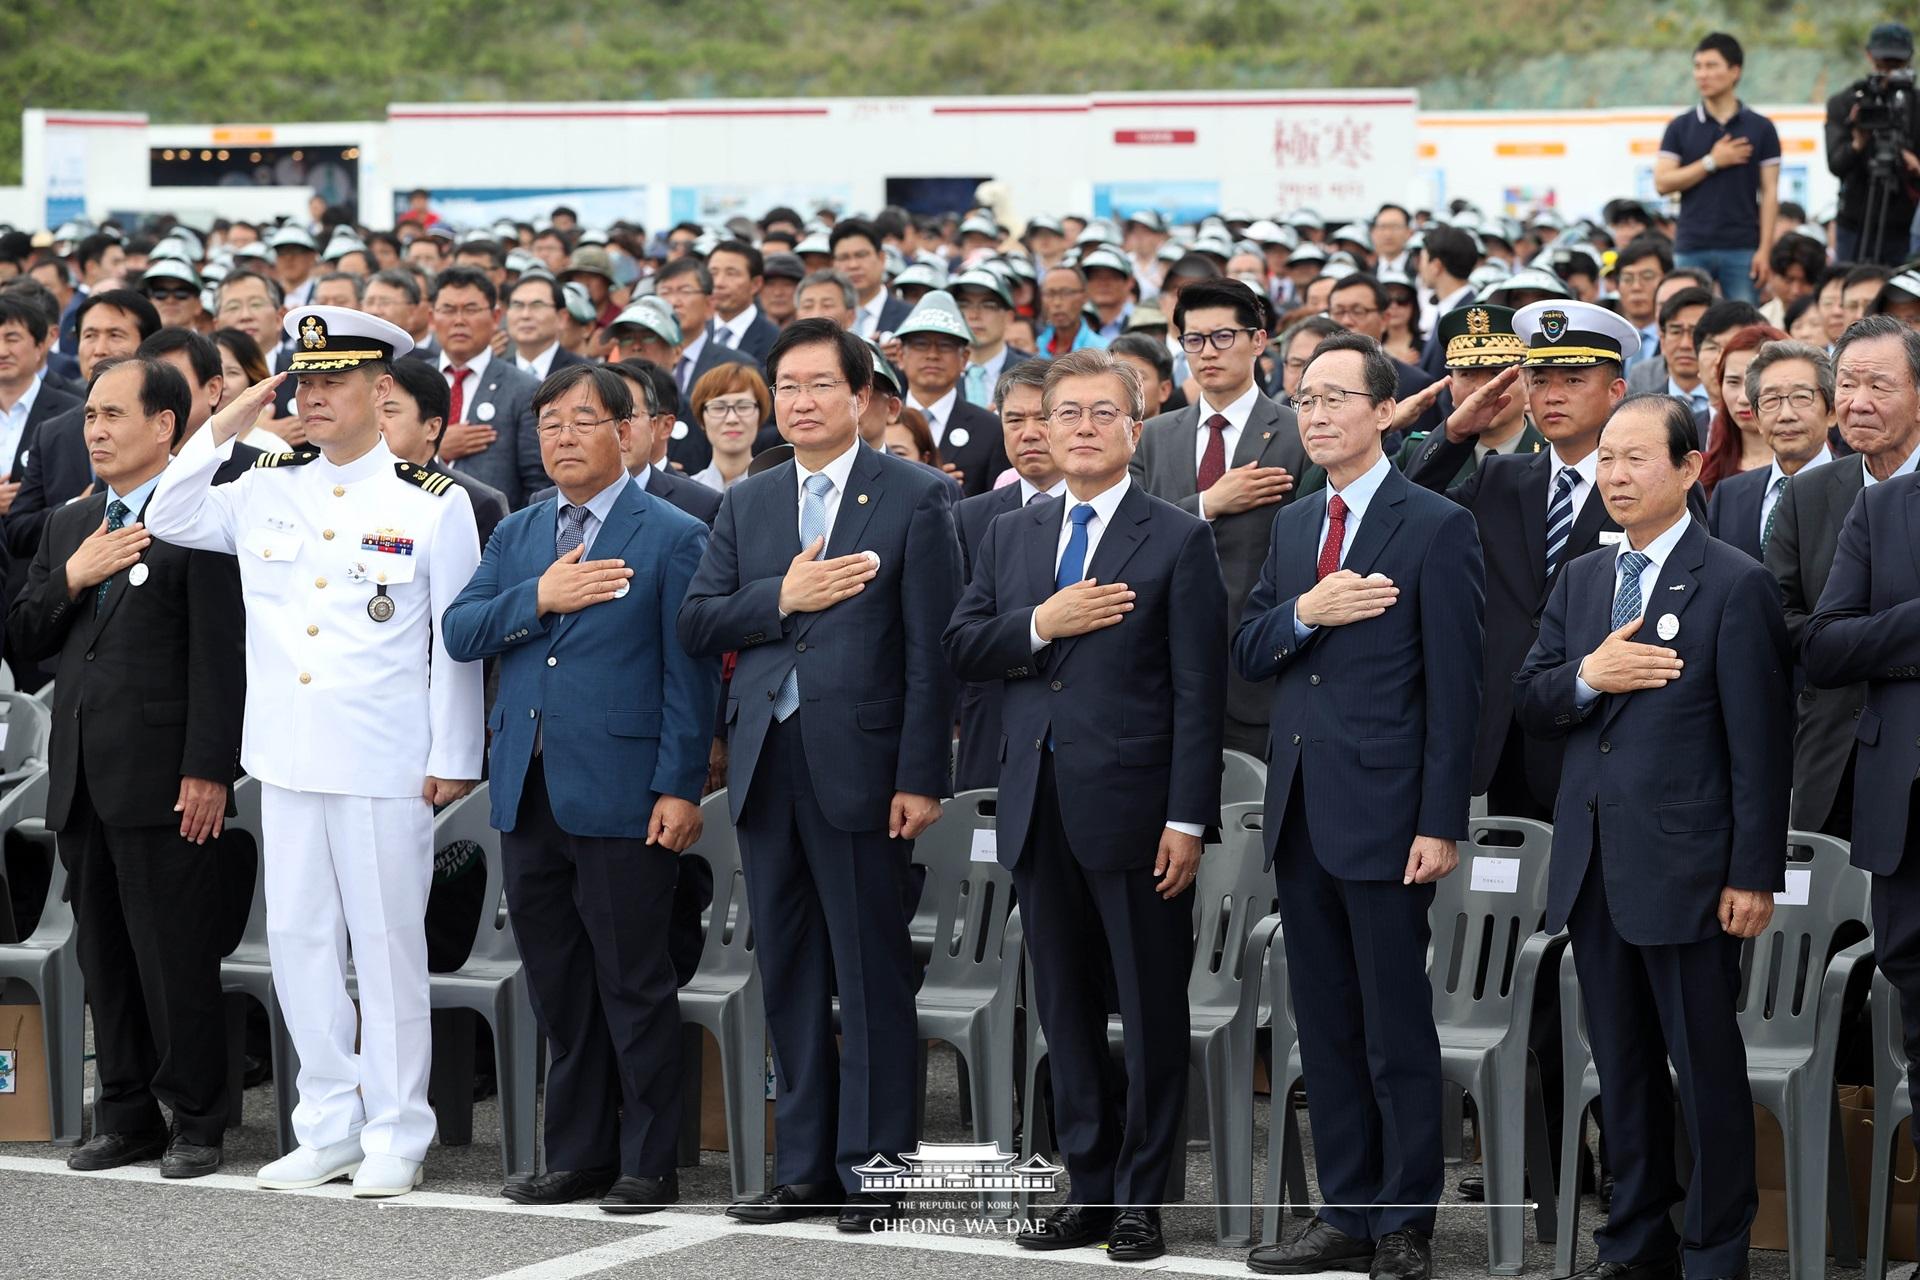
{"x":1495,"y":875}
{"x":1799,"y":884}
{"x":985,"y":847}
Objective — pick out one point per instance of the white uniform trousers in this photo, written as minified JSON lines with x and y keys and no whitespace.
{"x":353,"y":869}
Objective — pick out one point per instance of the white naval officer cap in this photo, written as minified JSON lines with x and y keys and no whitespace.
{"x":329,"y":339}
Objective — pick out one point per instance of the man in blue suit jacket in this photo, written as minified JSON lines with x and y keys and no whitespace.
{"x":1669,"y":647}
{"x":832,"y":576}
{"x":599,"y":757}
{"x":1368,"y":616}
{"x":1102,"y":614}
{"x":1023,"y":425}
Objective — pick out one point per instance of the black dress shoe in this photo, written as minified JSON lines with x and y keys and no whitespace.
{"x":113,"y":1150}
{"x":789,"y":1202}
{"x":1660,"y":1269}
{"x":1068,"y":1227}
{"x":1136,"y":1236}
{"x":634,"y":1194}
{"x":863,"y":1212}
{"x":189,"y":1159}
{"x":1321,"y":1247}
{"x":1402,"y":1255}
{"x":560,"y":1186}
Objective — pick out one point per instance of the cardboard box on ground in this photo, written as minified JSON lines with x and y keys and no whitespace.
{"x":1856,"y":1130}
{"x":26,"y":1112}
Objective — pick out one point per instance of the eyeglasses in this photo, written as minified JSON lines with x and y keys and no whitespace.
{"x":815,"y":390}
{"x":721,"y":409}
{"x":1220,"y":338}
{"x":1341,"y":315}
{"x":534,"y":304}
{"x":169,"y":295}
{"x":930,"y":345}
{"x":249,"y":306}
{"x":472,"y":311}
{"x":1638,"y":277}
{"x":1801,"y":398}
{"x":1061,"y":295}
{"x":1332,"y":397}
{"x":683,"y":291}
{"x":1071,"y":415}
{"x":1676,"y":331}
{"x":575,"y":427}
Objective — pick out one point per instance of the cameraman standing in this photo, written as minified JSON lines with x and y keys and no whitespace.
{"x":1725,"y":157}
{"x":1878,"y":114}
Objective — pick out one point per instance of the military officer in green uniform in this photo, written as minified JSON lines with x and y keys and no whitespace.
{"x":1478,"y":341}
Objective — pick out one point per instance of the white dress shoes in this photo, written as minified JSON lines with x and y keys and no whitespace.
{"x":311,"y":1166}
{"x":381,"y":1176}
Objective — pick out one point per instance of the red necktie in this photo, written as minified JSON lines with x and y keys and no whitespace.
{"x":1213,"y":462}
{"x":459,"y":401}
{"x":1336,"y":536}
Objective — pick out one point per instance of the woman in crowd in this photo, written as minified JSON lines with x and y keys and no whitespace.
{"x":729,"y":404}
{"x":1735,"y":444}
{"x":242,"y":365}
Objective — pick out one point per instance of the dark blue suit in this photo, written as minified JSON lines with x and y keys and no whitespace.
{"x":1641,"y":852}
{"x":1733,"y":512}
{"x":1135,"y":714}
{"x":1866,"y":629}
{"x":811,"y":797}
{"x":1371,"y":744}
{"x":977,"y":763}
{"x":624,"y":716}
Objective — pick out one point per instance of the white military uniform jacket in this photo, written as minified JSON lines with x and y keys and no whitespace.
{"x":337,"y":701}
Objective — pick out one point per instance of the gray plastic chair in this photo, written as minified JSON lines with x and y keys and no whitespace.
{"x":1286,"y":1156}
{"x":48,"y":961}
{"x":27,"y":724}
{"x":1790,"y":1023}
{"x":1234,"y":900}
{"x":492,"y":983}
{"x":1488,"y":954}
{"x":1892,"y":1103}
{"x":724,"y":997}
{"x":248,"y":971}
{"x":1243,"y":779}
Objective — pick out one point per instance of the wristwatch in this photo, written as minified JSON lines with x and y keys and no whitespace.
{"x":1711,"y":164}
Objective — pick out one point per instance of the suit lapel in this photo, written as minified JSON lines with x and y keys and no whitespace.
{"x":1673,"y":590}
{"x":117,"y":586}
{"x":622,"y":522}
{"x":1042,"y":542}
{"x":1182,"y":475}
{"x":857,"y":504}
{"x":1534,"y":483}
{"x":1587,"y":523}
{"x":1257,"y":434}
{"x":1378,"y":524}
{"x":1913,"y":522}
{"x":1840,"y":497}
{"x":1118,"y":541}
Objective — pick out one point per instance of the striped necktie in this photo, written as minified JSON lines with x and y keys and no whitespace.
{"x":1773,"y":513}
{"x":1560,"y":517}
{"x":117,"y":513}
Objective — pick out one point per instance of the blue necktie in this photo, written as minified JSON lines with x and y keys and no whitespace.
{"x":572,"y":530}
{"x":813,"y":524}
{"x":1560,"y":517}
{"x":1626,"y":601}
{"x":1073,"y":562}
{"x":977,"y":390}
{"x":117,"y":513}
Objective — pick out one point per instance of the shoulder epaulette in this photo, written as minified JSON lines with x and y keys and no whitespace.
{"x":297,"y":458}
{"x":434,"y":482}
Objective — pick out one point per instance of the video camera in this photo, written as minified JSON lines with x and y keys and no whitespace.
{"x":1882,"y":103}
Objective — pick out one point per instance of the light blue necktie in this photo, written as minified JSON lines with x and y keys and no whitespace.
{"x":813,"y":524}
{"x":1560,"y":517}
{"x":1626,"y":601}
{"x":977,"y":390}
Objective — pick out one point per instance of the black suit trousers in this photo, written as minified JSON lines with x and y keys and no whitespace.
{"x":147,"y":906}
{"x":1089,"y":932}
{"x":591,"y":917}
{"x":1645,"y":1005}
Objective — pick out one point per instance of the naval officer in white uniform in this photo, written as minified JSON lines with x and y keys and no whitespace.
{"x":360,"y":725}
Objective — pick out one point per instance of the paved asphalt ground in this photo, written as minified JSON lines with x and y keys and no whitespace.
{"x":54,"y":1223}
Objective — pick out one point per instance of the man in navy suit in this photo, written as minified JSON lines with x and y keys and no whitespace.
{"x":489,"y":431}
{"x":859,"y":254}
{"x":1368,"y":618}
{"x":832,"y":576}
{"x":1101,"y":614}
{"x":536,"y":309}
{"x":738,"y":271}
{"x":1669,"y":646}
{"x":599,"y":758}
{"x":1023,"y":426}
{"x":1866,"y":630}
{"x":934,"y":340}
{"x":1790,"y":385}
{"x":686,"y":287}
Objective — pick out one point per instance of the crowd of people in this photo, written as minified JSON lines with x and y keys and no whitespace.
{"x":1604,"y":520}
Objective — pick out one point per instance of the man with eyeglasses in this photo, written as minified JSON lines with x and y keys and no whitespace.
{"x":739,"y":275}
{"x":1367,"y":619}
{"x":535,"y":305}
{"x":934,"y":341}
{"x":1790,"y":386}
{"x":1232,"y":458}
{"x":1676,"y":370}
{"x":986,"y":304}
{"x":596,"y":787}
{"x":1877,"y":405}
{"x":1359,"y":303}
{"x":685,"y":285}
{"x":1063,"y":300}
{"x":832,"y":576}
{"x":489,"y":431}
{"x":1101,"y":615}
{"x":858,"y":255}
{"x":1637,"y":272}
{"x":173,"y":287}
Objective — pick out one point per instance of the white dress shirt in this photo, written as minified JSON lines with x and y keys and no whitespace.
{"x":1236,"y":415}
{"x":729,"y":332}
{"x":476,"y":374}
{"x":1586,"y":482}
{"x":938,"y":413}
{"x":1358,"y":496}
{"x":540,"y":365}
{"x":710,"y":476}
{"x":1028,"y":493}
{"x":1904,"y":469}
{"x":1657,"y":553}
{"x":1770,"y":498}
{"x":866,"y":315}
{"x":1104,"y":505}
{"x":13,"y":421}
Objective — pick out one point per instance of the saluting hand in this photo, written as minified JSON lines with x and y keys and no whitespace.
{"x":1081,"y":607}
{"x":104,"y":554}
{"x":1745,"y":913}
{"x":570,"y":585}
{"x":1620,"y":665}
{"x":244,"y":410}
{"x":813,"y":584}
{"x":1407,"y":412}
{"x":1343,"y":597}
{"x":1476,"y":413}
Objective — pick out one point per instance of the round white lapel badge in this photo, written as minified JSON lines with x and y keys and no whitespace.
{"x":620,"y":592}
{"x":873,"y":557}
{"x":484,"y":412}
{"x":1668,"y":627}
{"x":679,"y":429}
{"x":958,"y":437}
{"x":138,"y":574}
